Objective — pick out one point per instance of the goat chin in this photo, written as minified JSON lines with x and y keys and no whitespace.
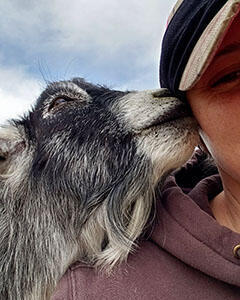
{"x":78,"y":180}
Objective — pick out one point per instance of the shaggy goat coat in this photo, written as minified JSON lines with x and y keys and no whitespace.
{"x":77,"y":180}
{"x":188,"y":255}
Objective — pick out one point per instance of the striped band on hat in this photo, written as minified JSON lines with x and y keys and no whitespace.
{"x":195,"y":30}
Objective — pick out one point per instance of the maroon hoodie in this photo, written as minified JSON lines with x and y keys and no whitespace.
{"x":188,"y":255}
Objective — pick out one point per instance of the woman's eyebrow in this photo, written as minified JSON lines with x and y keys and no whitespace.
{"x":229,"y":49}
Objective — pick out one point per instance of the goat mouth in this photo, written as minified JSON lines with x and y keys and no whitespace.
{"x":180,"y":112}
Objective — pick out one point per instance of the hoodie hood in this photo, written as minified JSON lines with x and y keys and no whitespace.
{"x":187,"y":254}
{"x":187,"y":229}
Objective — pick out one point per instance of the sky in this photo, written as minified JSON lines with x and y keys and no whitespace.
{"x":110,"y":42}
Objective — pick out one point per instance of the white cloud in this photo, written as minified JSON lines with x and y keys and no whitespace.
{"x":104,"y":27}
{"x":17,"y":92}
{"x":107,"y":24}
{"x":107,"y":34}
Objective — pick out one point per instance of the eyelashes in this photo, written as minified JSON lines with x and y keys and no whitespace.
{"x":59,"y":101}
{"x":228,"y":75}
{"x":231,"y":77}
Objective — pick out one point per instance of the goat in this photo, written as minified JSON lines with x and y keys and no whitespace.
{"x":78,"y":175}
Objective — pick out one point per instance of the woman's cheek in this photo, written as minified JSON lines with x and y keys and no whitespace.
{"x":224,"y":155}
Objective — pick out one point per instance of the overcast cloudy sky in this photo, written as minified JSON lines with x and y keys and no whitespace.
{"x":111,"y":42}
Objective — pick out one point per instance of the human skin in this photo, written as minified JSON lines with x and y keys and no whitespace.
{"x":215,"y":102}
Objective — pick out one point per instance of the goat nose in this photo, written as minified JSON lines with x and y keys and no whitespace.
{"x":161,"y":93}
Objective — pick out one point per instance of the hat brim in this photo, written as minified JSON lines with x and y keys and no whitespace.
{"x":208,"y":44}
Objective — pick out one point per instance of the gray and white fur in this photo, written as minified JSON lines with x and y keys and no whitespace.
{"x":78,"y":175}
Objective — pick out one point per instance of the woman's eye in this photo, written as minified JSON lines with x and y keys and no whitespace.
{"x":59,"y":102}
{"x":231,"y":77}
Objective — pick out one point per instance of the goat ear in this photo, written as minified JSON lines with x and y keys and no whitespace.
{"x":11,"y":145}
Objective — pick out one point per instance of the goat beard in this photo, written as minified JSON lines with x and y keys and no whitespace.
{"x":41,"y":235}
{"x":34,"y":254}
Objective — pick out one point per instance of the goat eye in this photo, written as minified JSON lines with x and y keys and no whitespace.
{"x":60,"y":101}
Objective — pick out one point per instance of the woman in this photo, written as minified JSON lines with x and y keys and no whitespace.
{"x":194,"y":251}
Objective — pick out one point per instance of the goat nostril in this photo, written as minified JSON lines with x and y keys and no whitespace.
{"x":161,"y":93}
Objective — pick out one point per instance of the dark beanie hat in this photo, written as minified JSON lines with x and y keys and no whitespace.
{"x":195,"y":31}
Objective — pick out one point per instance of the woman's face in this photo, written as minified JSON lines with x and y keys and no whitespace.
{"x":215,"y":102}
